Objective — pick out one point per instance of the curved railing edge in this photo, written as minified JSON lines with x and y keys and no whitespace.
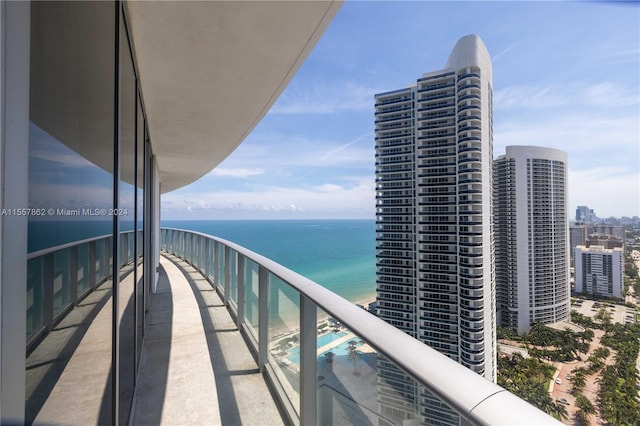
{"x":476,"y":399}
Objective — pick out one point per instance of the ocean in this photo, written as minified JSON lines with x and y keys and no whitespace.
{"x":337,"y":254}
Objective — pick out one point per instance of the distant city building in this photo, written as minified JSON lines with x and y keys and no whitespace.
{"x":607,"y":229}
{"x":577,"y":237}
{"x":599,"y":271}
{"x":585,"y":214}
{"x":606,"y":235}
{"x":435,"y":262}
{"x":532,"y":237}
{"x":604,"y":240}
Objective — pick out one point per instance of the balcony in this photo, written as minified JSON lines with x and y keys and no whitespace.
{"x":228,"y":331}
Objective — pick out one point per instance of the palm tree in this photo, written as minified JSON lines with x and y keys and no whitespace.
{"x":353,"y":356}
{"x":584,"y":405}
{"x":559,"y":411}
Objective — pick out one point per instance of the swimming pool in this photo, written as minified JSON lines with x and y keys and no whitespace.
{"x":342,"y":349}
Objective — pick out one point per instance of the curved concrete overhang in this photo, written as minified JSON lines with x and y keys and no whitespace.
{"x":470,"y":51}
{"x":209,"y":72}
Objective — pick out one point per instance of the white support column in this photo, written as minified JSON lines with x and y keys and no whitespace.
{"x":14,"y":159}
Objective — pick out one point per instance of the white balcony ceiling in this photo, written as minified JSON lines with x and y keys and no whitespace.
{"x":210,"y":71}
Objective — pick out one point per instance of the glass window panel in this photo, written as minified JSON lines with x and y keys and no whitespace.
{"x":35,"y":301}
{"x":203,"y":251}
{"x":140,"y":228}
{"x":71,"y":158}
{"x":211,"y":259}
{"x":100,"y":259}
{"x":82,"y":267}
{"x":283,"y":336}
{"x":355,"y":384}
{"x":61,"y":281}
{"x":220,"y":278}
{"x":233,"y":276}
{"x":251,"y":276}
{"x":126,"y":216}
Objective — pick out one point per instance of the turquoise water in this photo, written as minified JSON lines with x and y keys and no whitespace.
{"x":338,"y":254}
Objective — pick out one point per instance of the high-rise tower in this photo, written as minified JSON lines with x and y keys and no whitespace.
{"x":532,"y":236}
{"x":435,"y":261}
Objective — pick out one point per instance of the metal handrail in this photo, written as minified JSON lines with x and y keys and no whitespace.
{"x":476,"y":399}
{"x":48,"y":250}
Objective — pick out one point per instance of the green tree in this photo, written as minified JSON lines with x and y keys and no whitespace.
{"x":584,"y":405}
{"x":354,"y":354}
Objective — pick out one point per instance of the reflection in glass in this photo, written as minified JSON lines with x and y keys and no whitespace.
{"x":82,"y":268}
{"x":233,"y":277}
{"x":140,"y":224}
{"x":220,"y":277}
{"x":126,"y":217}
{"x":284,"y":335}
{"x":251,"y":278}
{"x":61,"y":282}
{"x":355,"y":384}
{"x":35,"y":302}
{"x":68,"y":356}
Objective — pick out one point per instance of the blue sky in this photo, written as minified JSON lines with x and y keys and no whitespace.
{"x":566,"y":75}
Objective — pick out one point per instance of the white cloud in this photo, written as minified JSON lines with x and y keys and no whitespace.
{"x":503,"y":52}
{"x":355,"y":199}
{"x":267,"y":151}
{"x":610,"y":191}
{"x":325,"y":99}
{"x":236,"y":173}
{"x":70,"y":159}
{"x":589,"y":139}
{"x":605,"y":94}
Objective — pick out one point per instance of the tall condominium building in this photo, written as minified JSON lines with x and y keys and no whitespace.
{"x":599,"y":271}
{"x":532,"y":236}
{"x":435,"y":262}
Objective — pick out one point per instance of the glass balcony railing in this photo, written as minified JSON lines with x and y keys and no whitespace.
{"x":59,"y":277}
{"x":331,"y":362}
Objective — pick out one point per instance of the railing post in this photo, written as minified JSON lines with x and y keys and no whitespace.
{"x":73,"y":274}
{"x":216,"y":263}
{"x":47,"y":290}
{"x":227,"y":274}
{"x":263,"y":316}
{"x":308,"y":355}
{"x":241,"y":283}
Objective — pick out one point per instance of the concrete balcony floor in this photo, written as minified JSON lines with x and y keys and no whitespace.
{"x":195,"y":365}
